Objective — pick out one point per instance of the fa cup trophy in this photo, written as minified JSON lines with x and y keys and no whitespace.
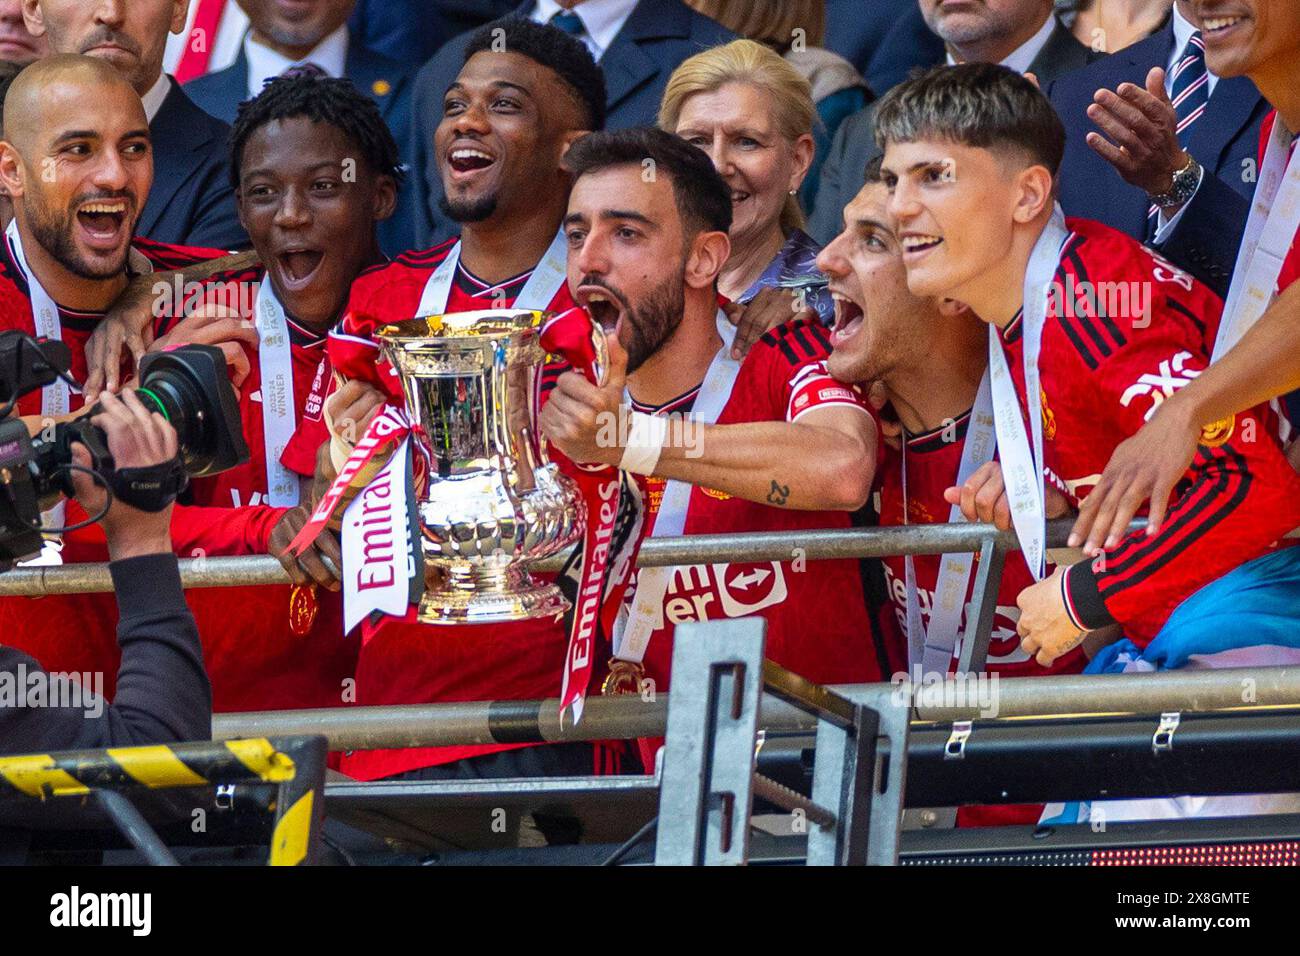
{"x":493,"y":503}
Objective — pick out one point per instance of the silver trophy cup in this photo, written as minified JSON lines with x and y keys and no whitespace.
{"x":493,"y":502}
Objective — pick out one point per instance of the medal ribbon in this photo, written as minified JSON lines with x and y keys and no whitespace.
{"x":278,"y":417}
{"x":1270,"y":233}
{"x":547,"y":277}
{"x":1022,"y":456}
{"x":933,"y":647}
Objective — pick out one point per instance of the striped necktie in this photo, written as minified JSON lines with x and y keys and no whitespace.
{"x":1189,"y":91}
{"x":569,"y":22}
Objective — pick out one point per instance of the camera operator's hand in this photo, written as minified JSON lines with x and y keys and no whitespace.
{"x":136,"y":438}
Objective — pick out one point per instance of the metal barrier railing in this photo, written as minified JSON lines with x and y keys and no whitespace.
{"x":295,"y":764}
{"x":626,"y":717}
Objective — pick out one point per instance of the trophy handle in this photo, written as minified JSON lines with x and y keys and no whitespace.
{"x":600,"y":364}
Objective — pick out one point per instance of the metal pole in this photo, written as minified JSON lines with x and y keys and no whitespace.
{"x":846,"y":543}
{"x":135,"y":828}
{"x":626,"y":716}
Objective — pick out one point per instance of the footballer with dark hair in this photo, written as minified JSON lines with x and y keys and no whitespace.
{"x":1094,"y":331}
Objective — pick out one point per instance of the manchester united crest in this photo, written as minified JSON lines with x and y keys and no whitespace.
{"x":1049,"y":420}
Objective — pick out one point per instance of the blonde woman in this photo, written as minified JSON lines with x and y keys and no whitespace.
{"x":796,"y":29}
{"x":753,"y":114}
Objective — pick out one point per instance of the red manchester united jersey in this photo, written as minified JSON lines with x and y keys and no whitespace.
{"x":402,"y":661}
{"x":1104,"y":372}
{"x":256,"y":657}
{"x":933,"y":459}
{"x":817,"y":621}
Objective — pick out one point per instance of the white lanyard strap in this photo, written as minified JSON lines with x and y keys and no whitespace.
{"x":632,"y":630}
{"x":55,"y":397}
{"x":933,"y":646}
{"x":1022,"y":456}
{"x":1270,"y":233}
{"x":279,"y":417}
{"x":537,"y":293}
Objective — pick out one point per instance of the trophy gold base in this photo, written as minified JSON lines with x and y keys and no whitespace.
{"x":470,"y":595}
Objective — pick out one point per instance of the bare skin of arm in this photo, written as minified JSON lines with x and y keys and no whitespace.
{"x":824,"y":462}
{"x":1147,"y":466}
{"x":130,"y":322}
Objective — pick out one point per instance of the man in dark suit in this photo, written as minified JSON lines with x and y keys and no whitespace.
{"x":1023,"y":35}
{"x":1136,"y":110}
{"x":192,"y":201}
{"x":316,"y":43}
{"x":638,"y":43}
{"x":884,"y":39}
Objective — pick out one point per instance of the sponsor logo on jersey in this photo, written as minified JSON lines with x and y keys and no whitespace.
{"x":707,"y":592}
{"x":1174,"y":373}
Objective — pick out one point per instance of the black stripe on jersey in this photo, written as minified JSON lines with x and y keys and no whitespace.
{"x":823,"y":337}
{"x":427,"y":257}
{"x":1199,"y":519}
{"x":1117,"y":337}
{"x":805,"y":346}
{"x":1195,"y":500}
{"x":1191,"y":316}
{"x":1084,"y":352}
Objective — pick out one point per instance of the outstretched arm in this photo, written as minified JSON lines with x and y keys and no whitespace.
{"x":1147,"y":466}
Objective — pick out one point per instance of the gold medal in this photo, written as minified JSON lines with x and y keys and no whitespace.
{"x":303,"y":608}
{"x":624,"y":678}
{"x":1217,"y":433}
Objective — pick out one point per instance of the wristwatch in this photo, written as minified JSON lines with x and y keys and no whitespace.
{"x":1182,"y":187}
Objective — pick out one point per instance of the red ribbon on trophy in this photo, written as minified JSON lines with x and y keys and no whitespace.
{"x":595,"y":579}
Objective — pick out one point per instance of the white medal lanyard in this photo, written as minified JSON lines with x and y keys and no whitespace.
{"x":933,"y":647}
{"x":56,"y":397}
{"x":1022,"y":456}
{"x":634,"y":628}
{"x":542,"y":285}
{"x":1270,"y":233}
{"x":279,"y":417}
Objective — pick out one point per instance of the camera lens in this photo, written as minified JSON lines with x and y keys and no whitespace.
{"x":178,"y":400}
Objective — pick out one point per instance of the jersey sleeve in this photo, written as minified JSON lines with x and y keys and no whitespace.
{"x":299,"y":455}
{"x":1239,"y":496}
{"x":199,"y":529}
{"x":812,"y":386}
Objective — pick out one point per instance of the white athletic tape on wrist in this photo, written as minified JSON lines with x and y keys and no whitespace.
{"x":645,"y":440}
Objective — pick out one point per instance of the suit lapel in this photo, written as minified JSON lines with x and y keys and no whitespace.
{"x":627,"y":67}
{"x":1230,"y":109}
{"x":174,"y":135}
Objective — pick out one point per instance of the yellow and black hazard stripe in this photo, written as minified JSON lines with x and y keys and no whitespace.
{"x":255,"y":760}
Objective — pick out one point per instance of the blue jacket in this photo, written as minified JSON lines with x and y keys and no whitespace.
{"x":854,"y":146}
{"x":1225,"y":140}
{"x":192,"y":202}
{"x":656,"y":38}
{"x":386,"y":81}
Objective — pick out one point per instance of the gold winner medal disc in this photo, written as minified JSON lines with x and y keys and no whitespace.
{"x":303,"y":608}
{"x":1216,"y":433}
{"x":624,"y":678}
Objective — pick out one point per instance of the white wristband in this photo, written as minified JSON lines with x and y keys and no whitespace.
{"x":646,"y":435}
